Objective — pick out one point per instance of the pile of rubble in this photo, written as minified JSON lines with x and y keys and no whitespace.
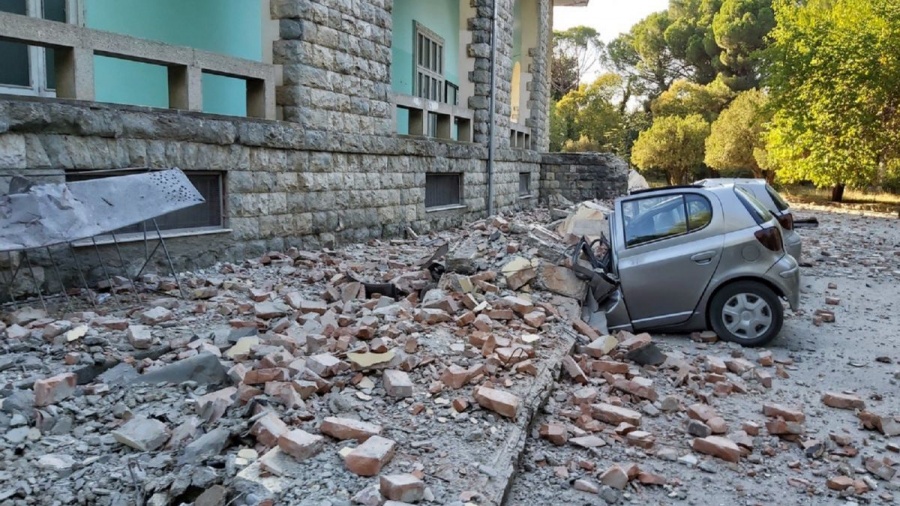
{"x":386,"y":371}
{"x":406,"y":371}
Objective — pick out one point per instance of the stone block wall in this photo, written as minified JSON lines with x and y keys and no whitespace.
{"x":285,"y":186}
{"x":583,"y":176}
{"x":336,"y":57}
{"x":539,"y":87}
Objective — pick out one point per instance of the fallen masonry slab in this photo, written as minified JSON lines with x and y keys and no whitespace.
{"x":142,"y":434}
{"x":203,"y":368}
{"x":348,"y":428}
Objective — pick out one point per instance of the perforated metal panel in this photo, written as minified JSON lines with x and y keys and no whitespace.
{"x":51,"y":214}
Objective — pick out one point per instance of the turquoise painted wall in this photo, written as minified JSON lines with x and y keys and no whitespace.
{"x":439,"y":16}
{"x":231,"y":27}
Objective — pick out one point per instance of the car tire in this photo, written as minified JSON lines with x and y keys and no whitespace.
{"x":746,"y":312}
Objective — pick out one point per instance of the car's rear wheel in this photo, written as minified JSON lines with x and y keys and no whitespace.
{"x":747,"y":313}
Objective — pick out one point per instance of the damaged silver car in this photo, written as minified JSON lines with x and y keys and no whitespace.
{"x":691,"y":258}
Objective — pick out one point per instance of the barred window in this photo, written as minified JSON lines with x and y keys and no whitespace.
{"x":443,"y":190}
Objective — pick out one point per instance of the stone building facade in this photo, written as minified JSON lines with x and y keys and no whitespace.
{"x":323,"y":161}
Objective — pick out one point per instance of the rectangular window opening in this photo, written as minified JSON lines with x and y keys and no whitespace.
{"x":207,"y":215}
{"x":524,"y":184}
{"x":443,"y":190}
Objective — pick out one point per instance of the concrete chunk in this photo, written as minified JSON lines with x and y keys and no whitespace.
{"x":142,"y":434}
{"x":397,"y":383}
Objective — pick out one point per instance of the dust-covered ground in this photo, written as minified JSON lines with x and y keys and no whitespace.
{"x":859,"y":257}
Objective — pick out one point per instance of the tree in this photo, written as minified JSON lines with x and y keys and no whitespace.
{"x":576,"y":53}
{"x":673,"y":144}
{"x":558,"y":128}
{"x":740,"y":29}
{"x":691,"y":39}
{"x":736,"y":140}
{"x":834,"y":77}
{"x":563,"y":75}
{"x":592,"y":112}
{"x":644,"y":59}
{"x":684,"y":98}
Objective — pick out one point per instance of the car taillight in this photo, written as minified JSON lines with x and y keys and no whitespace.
{"x":770,"y":238}
{"x":786,"y":220}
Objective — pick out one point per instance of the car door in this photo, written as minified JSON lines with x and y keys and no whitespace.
{"x":667,"y":249}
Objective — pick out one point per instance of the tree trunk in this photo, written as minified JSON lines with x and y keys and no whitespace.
{"x":837,"y":193}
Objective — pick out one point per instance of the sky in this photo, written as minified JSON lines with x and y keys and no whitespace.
{"x":609,"y":17}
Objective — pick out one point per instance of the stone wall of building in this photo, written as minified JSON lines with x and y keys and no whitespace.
{"x":285,"y":186}
{"x":480,"y":50}
{"x":583,"y":176}
{"x":539,"y":87}
{"x":336,"y":57}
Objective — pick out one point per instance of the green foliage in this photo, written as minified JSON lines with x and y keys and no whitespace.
{"x":558,"y":128}
{"x":592,"y":112}
{"x":684,"y":98}
{"x":740,"y":29}
{"x":690,"y":37}
{"x":576,"y":52}
{"x":834,"y":68}
{"x":644,"y":59}
{"x":674,"y":144}
{"x":736,"y":142}
{"x":582,"y":145}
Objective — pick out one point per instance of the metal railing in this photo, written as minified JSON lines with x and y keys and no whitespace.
{"x":75,"y":47}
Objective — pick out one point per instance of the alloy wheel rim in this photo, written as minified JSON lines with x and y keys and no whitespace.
{"x":747,"y":316}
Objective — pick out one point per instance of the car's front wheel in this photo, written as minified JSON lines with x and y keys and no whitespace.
{"x":747,"y":313}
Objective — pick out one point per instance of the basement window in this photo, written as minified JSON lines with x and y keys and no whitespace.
{"x":203,"y":217}
{"x":524,"y":184}
{"x":443,"y":190}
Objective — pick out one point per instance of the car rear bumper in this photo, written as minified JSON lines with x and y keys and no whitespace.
{"x":786,"y":275}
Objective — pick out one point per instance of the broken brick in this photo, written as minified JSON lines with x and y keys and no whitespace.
{"x":368,"y":458}
{"x":300,"y":444}
{"x":842,"y":401}
{"x":268,"y":429}
{"x":574,"y":370}
{"x":503,"y":403}
{"x":719,"y":447}
{"x":555,"y":433}
{"x":406,"y":488}
{"x":615,"y":415}
{"x":790,"y":415}
{"x":348,"y":428}
{"x":397,"y":383}
{"x":614,"y":477}
{"x":702,"y":412}
{"x":54,"y":389}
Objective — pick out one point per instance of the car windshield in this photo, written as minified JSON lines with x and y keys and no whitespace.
{"x":780,"y":203}
{"x":756,"y":209}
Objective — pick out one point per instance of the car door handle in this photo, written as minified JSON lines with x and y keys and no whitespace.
{"x":704,"y":258}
